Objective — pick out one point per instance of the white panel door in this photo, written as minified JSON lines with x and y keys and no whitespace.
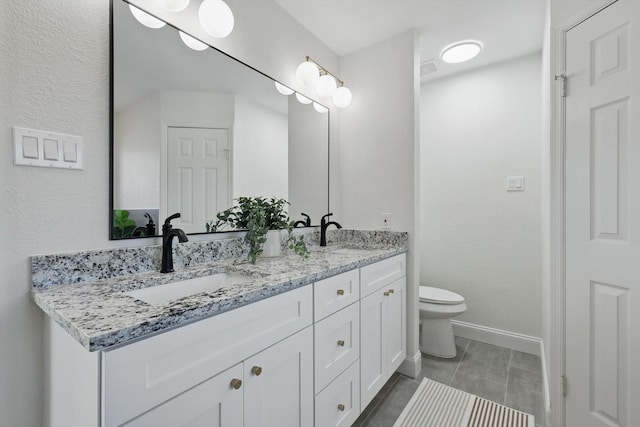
{"x":198,"y":184}
{"x":213,"y":403}
{"x":278,"y":390}
{"x":603,"y":219}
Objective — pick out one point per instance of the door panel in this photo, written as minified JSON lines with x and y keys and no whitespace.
{"x":603,"y":219}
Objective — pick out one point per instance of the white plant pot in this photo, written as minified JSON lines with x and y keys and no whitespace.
{"x":273,"y":245}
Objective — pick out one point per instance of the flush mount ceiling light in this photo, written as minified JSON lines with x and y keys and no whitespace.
{"x":174,"y":5}
{"x":283,"y":89}
{"x":145,"y":19}
{"x":461,"y":51}
{"x":193,"y":43}
{"x":216,"y":18}
{"x":310,"y":74}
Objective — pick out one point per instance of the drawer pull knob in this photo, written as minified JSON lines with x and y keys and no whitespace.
{"x":341,"y":343}
{"x":386,"y":294}
{"x":256,"y":370}
{"x":236,"y":383}
{"x":391,"y":291}
{"x":340,"y":291}
{"x":340,"y":407}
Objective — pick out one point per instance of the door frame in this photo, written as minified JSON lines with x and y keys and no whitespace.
{"x":557,"y":217}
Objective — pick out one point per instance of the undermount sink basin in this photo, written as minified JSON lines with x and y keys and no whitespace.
{"x":161,"y":294}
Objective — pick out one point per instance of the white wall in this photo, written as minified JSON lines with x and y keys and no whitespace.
{"x":54,"y":75}
{"x":379,"y":135}
{"x":260,"y":151}
{"x":477,"y":239}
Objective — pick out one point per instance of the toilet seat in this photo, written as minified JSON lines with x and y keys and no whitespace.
{"x":439,"y":296}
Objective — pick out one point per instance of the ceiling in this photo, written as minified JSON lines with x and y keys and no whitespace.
{"x":507,"y":28}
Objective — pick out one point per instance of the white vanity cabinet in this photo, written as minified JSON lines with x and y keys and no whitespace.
{"x":382,"y":324}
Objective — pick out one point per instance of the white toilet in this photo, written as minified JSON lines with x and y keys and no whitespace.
{"x":437,"y":307}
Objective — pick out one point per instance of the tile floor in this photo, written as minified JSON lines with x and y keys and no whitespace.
{"x":505,"y":376}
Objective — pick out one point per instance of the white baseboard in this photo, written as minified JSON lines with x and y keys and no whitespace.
{"x":412,"y":365}
{"x":510,"y":340}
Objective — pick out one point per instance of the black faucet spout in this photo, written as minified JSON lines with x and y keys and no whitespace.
{"x":323,"y":228}
{"x":168,"y":233}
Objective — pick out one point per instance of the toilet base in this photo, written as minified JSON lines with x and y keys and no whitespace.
{"x":437,"y":339}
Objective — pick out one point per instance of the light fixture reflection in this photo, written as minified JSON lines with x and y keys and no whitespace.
{"x":283,"y":89}
{"x":461,"y":52}
{"x":193,"y":43}
{"x":216,"y":18}
{"x":342,"y":97}
{"x":319,"y":108}
{"x":145,"y":19}
{"x":174,"y":5}
{"x":303,"y":99}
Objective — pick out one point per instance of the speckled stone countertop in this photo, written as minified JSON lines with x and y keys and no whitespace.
{"x":98,"y":313}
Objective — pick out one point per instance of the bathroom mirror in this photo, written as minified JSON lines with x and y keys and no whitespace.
{"x":192,"y":130}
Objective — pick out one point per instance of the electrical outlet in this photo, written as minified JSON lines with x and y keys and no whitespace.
{"x":386,"y":221}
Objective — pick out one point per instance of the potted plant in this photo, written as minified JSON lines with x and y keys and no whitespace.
{"x":259,"y":216}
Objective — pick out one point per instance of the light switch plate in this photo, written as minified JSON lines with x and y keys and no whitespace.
{"x":515,"y":183}
{"x":46,"y":149}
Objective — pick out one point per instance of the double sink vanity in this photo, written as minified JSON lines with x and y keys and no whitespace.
{"x":284,"y":342}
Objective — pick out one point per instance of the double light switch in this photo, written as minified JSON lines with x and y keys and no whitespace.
{"x":46,"y":149}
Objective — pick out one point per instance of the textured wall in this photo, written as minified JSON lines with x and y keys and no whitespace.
{"x":478,"y":239}
{"x":54,"y":75}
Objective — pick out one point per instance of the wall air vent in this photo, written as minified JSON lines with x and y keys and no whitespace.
{"x":428,"y":67}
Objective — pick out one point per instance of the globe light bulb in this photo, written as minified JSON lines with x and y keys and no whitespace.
{"x":303,"y":99}
{"x":342,"y":97}
{"x":307,"y":74}
{"x":216,"y":18}
{"x":174,"y":5}
{"x":319,"y":108}
{"x":145,"y":19}
{"x":326,"y":85}
{"x":283,"y":89}
{"x":193,"y":43}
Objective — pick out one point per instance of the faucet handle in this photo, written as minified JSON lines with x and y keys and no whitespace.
{"x":174,"y":216}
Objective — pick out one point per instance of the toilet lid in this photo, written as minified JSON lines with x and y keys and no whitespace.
{"x":439,"y":296}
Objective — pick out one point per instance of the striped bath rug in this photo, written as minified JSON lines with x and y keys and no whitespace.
{"x":437,"y":405}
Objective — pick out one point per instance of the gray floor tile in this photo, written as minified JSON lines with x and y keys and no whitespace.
{"x":486,"y":361}
{"x":526,"y":361}
{"x":524,"y":393}
{"x":392,"y":404}
{"x":480,"y":386}
{"x":439,"y":369}
{"x":521,"y":379}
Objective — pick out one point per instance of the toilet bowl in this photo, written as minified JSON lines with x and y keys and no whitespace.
{"x":437,"y":307}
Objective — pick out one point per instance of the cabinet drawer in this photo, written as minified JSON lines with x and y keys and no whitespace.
{"x":337,"y":344}
{"x":339,"y":404}
{"x":335,"y":293}
{"x":141,"y":375}
{"x":375,"y":276}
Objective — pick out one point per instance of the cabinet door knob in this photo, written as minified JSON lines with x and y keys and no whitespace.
{"x":340,"y":291}
{"x":236,"y":383}
{"x":257,"y":370}
{"x":341,"y":343}
{"x":340,"y":407}
{"x":391,"y":291}
{"x":386,"y":294}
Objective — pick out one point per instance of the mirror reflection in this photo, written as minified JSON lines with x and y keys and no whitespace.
{"x":193,"y":130}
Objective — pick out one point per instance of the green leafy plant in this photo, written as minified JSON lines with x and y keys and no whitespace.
{"x":258,"y":215}
{"x":122,"y":225}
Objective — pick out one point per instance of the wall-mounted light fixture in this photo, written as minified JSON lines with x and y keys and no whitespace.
{"x":310,"y":74}
{"x":215,"y":17}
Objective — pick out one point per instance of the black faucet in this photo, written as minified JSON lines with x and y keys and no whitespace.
{"x":323,"y":228}
{"x":168,"y":233}
{"x":303,"y":222}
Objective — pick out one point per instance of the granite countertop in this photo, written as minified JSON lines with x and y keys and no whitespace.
{"x":98,"y":314}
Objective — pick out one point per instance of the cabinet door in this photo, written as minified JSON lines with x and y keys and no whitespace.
{"x":395,"y":324}
{"x":215,"y":402}
{"x":373,"y":355}
{"x":278,"y":388}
